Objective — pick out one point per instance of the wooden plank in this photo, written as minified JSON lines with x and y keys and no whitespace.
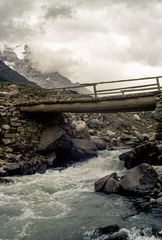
{"x":123,"y":88}
{"x":127,"y":80}
{"x":108,"y":93}
{"x":127,"y":90}
{"x":137,"y":90}
{"x":158,"y":83}
{"x":95,"y":91}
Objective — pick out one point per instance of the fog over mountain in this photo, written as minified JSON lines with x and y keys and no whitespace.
{"x":87,"y":40}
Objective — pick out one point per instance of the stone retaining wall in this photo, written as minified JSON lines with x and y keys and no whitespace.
{"x":19,"y":134}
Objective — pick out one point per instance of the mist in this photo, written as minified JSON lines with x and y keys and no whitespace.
{"x":87,"y":41}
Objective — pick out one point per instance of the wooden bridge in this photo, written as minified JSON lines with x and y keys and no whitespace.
{"x":112,"y":96}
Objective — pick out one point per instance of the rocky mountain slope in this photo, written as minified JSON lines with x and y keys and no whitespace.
{"x":25,"y":66}
{"x":9,"y":75}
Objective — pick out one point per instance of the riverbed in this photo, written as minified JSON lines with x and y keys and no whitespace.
{"x":62,"y":205}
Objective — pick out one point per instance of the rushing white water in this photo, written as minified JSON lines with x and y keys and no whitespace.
{"x":62,"y":204}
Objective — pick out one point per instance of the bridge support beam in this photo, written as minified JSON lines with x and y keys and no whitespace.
{"x":125,"y":104}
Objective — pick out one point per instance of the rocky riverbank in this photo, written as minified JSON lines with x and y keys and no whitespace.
{"x":114,"y":232}
{"x":142,"y":180}
{"x":32,"y":143}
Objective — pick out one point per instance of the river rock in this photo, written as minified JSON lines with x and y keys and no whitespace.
{"x":109,"y":229}
{"x":139,"y":136}
{"x":83,"y":149}
{"x":50,"y":159}
{"x":111,"y":186}
{"x":139,"y":180}
{"x":108,"y":184}
{"x":118,"y":236}
{"x":5,"y":180}
{"x":28,"y":169}
{"x":100,"y":144}
{"x":110,"y":133}
{"x":94,"y":123}
{"x":49,"y":136}
{"x":41,"y":168}
{"x":158,"y":170}
{"x":13,"y":169}
{"x":111,"y":232}
{"x":146,"y":153}
{"x":3,"y":173}
{"x":137,"y":117}
{"x":159,"y":201}
{"x":82,"y":130}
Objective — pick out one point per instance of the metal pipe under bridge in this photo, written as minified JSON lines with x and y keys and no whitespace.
{"x":129,"y":95}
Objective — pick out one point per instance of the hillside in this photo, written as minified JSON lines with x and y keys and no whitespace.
{"x":9,"y":75}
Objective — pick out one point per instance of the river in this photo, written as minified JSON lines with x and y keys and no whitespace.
{"x":62,"y":204}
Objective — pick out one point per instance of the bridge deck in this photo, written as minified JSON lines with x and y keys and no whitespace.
{"x":127,"y":103}
{"x":122,"y":98}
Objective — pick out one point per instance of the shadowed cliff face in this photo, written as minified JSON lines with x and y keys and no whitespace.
{"x":9,"y":75}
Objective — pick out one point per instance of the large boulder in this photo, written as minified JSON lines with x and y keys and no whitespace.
{"x":112,"y":232}
{"x":146,"y":153}
{"x":83,"y":149}
{"x":49,"y":136}
{"x":139,"y":180}
{"x":54,"y":141}
{"x":100,"y":144}
{"x":108,"y":184}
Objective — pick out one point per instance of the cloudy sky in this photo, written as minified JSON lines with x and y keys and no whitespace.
{"x":87,"y":40}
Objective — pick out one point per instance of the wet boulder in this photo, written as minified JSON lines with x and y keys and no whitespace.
{"x":108,"y":184}
{"x":83,"y":149}
{"x":159,"y":201}
{"x":139,"y":180}
{"x":109,"y":229}
{"x":41,"y":168}
{"x":118,"y":236}
{"x":20,"y":168}
{"x":28,"y":169}
{"x":12,"y":169}
{"x":111,"y":232}
{"x":6,"y":180}
{"x":146,"y":153}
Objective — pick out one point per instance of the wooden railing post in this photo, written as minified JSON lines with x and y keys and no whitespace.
{"x":95,"y":91}
{"x":158,"y":83}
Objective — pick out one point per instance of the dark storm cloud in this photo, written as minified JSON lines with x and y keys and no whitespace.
{"x":14,"y":19}
{"x":87,"y":39}
{"x":59,"y":11}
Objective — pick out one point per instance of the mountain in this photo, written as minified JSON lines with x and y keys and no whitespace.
{"x":9,"y":75}
{"x":25,"y":67}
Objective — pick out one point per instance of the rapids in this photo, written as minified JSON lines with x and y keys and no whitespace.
{"x":62,"y":204}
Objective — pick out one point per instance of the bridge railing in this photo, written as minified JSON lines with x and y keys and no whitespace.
{"x":99,"y":89}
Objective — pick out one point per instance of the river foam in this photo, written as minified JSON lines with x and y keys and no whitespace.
{"x":62,"y":204}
